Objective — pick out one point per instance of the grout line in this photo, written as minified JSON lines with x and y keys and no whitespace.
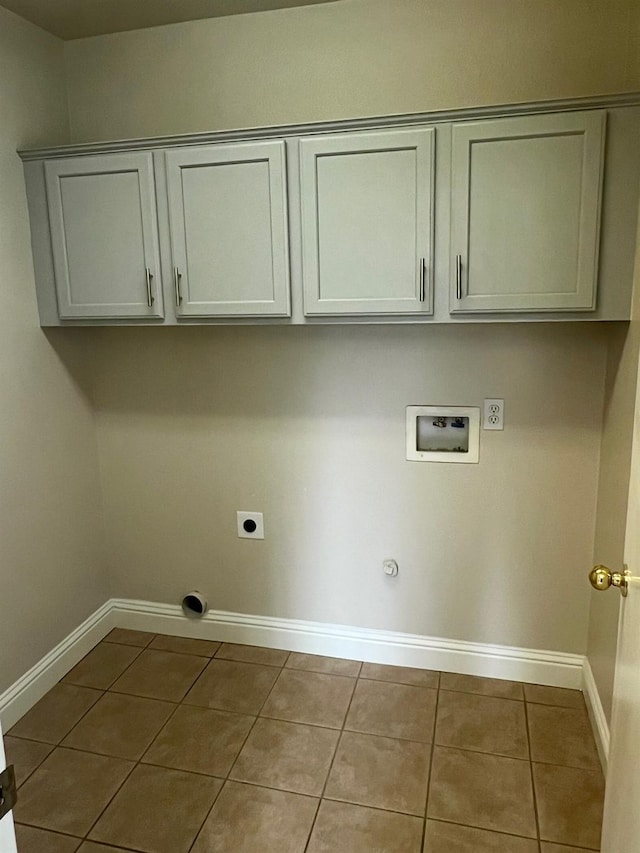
{"x":557,"y":707}
{"x":38,"y":765}
{"x":483,"y":695}
{"x":152,"y":635}
{"x":206,"y":817}
{"x":174,"y":652}
{"x":137,"y":762}
{"x":333,"y":758}
{"x":433,"y":747}
{"x":282,"y":665}
{"x":58,"y":743}
{"x":111,"y":683}
{"x":141,"y":696}
{"x":44,"y":829}
{"x":477,"y":752}
{"x":496,"y":831}
{"x":399,"y":683}
{"x":112,"y":798}
{"x":533,"y":784}
{"x":235,"y":760}
{"x":155,"y":764}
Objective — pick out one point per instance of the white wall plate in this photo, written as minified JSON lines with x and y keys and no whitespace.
{"x":250,"y":525}
{"x":450,"y":448}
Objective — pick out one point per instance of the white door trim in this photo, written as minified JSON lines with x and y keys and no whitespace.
{"x":597,"y":715}
{"x":7,"y":832}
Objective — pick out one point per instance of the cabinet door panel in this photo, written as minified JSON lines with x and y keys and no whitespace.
{"x":228,"y":219}
{"x":367,"y":222}
{"x":526,"y":212}
{"x":104,"y":236}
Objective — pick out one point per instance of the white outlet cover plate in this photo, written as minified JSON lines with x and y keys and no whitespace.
{"x":493,"y":414}
{"x":257,"y":517}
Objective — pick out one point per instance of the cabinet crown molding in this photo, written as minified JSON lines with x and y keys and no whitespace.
{"x":611,"y":101}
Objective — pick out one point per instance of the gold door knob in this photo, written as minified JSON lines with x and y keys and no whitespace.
{"x":602,"y":578}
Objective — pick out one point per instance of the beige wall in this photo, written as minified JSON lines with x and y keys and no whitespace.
{"x":348,"y":59}
{"x":307,"y":425}
{"x":634,"y":45}
{"x":51,"y":546}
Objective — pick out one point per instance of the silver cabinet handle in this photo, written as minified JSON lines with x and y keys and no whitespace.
{"x":177,"y":275}
{"x":150,"y":297}
{"x":423,"y":276}
{"x":458,"y":276}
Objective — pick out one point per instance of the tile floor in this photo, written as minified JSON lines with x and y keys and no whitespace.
{"x":168,"y":745}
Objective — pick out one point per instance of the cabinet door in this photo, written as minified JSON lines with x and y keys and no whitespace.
{"x":104,"y":235}
{"x":367,"y":223}
{"x":228,"y":220}
{"x":526,"y":213}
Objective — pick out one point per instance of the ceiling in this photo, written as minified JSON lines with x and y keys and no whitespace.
{"x":72,"y":19}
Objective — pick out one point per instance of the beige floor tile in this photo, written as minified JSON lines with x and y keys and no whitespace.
{"x":246,"y":819}
{"x":25,"y":755}
{"x":483,"y":686}
{"x":559,"y":696}
{"x":92,"y":847}
{"x":69,"y":790}
{"x":157,"y":810}
{"x":288,"y":756}
{"x":252,"y":654}
{"x":32,"y":840}
{"x":233,"y":686}
{"x":342,"y":826}
{"x":160,"y":675}
{"x":319,"y":663}
{"x":129,"y":638}
{"x":184,"y":645}
{"x":562,"y":736}
{"x":400,"y":674}
{"x":380,"y":772}
{"x":56,"y":714}
{"x":482,"y":723}
{"x":570,"y":804}
{"x":119,"y":725}
{"x":545,"y":847}
{"x":102,"y":666}
{"x":200,"y":740}
{"x":393,"y":710}
{"x":484,"y":791}
{"x":310,"y":697}
{"x":450,"y":838}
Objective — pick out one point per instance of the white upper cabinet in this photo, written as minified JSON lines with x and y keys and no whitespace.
{"x":104,"y":236}
{"x":525,"y":211}
{"x":367,"y":222}
{"x":410,"y":219}
{"x":228,"y":223}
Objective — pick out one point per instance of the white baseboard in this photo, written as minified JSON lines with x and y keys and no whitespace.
{"x":535,"y":666}
{"x":26,"y":691}
{"x":597,"y":716}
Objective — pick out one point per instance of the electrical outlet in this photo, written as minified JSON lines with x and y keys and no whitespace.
{"x":493,"y":414}
{"x":250,"y":525}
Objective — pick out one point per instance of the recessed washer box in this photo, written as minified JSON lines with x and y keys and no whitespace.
{"x":443,"y":433}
